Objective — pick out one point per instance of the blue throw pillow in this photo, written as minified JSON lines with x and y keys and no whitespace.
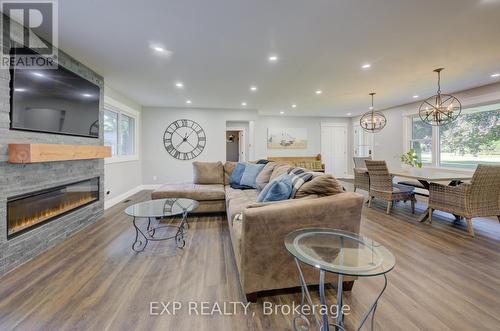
{"x":278,"y":189}
{"x":237,"y":173}
{"x":250,"y":174}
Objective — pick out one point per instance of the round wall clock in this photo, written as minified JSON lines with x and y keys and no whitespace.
{"x":184,"y":139}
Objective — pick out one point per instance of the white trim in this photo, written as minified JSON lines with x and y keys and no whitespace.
{"x":251,"y":140}
{"x":150,"y":186}
{"x":113,"y":201}
{"x":112,"y":103}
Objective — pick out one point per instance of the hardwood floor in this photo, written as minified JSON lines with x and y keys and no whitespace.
{"x":443,"y":279}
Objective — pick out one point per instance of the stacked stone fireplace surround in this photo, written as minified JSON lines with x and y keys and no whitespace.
{"x":17,"y":179}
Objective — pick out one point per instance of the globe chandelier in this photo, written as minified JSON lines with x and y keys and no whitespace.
{"x":372,"y":121}
{"x":440,"y":109}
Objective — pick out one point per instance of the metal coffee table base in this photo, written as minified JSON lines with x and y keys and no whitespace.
{"x":142,"y":238}
{"x":323,"y":322}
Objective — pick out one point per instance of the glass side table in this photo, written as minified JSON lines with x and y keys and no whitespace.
{"x":160,"y":208}
{"x":344,"y":254}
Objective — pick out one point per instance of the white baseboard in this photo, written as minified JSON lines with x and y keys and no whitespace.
{"x":111,"y":202}
{"x":150,"y":186}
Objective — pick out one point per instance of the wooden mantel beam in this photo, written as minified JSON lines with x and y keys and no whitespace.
{"x":35,"y":153}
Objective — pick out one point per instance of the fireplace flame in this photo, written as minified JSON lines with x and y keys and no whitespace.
{"x":26,"y":222}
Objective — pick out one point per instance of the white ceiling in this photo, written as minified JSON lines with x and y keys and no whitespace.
{"x":220,"y":48}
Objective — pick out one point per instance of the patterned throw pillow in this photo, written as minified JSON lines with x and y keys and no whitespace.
{"x":299,"y":177}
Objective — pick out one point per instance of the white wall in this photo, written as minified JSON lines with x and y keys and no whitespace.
{"x":389,"y":143}
{"x":123,"y":177}
{"x":158,"y":163}
{"x":312,"y":124}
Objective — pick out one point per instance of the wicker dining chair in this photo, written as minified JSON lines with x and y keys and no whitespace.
{"x":361,"y":178}
{"x":381,"y":186}
{"x":480,"y":198}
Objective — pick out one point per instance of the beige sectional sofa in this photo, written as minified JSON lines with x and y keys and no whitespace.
{"x":258,"y":229}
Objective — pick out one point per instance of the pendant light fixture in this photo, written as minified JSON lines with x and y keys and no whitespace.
{"x":440,"y":109}
{"x":373,"y":121}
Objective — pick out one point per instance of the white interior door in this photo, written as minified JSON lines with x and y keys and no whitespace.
{"x":334,"y":148}
{"x":362,"y":142}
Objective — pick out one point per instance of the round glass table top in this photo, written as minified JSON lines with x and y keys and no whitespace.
{"x":340,"y":252}
{"x":162,"y":207}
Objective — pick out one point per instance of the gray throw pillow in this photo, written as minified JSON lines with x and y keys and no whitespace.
{"x":264,"y":176}
{"x":208,"y":173}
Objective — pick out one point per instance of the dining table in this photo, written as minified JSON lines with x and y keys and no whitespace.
{"x":427,"y":175}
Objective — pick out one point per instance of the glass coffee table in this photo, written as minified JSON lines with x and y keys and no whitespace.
{"x":344,"y":254}
{"x":158,"y":209}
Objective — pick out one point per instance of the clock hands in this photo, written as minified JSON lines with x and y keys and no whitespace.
{"x":184,"y":139}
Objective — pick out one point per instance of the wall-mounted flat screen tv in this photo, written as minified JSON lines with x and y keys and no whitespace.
{"x":55,"y":101}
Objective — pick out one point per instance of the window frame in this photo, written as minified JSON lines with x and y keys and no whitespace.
{"x":435,"y":142}
{"x":122,"y":109}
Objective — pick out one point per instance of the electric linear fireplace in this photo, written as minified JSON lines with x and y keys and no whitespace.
{"x":27,"y":211}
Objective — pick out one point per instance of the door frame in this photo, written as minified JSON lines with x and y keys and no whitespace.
{"x":242,"y":139}
{"x":346,"y":138}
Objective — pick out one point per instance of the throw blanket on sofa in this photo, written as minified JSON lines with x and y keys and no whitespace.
{"x":299,"y":177}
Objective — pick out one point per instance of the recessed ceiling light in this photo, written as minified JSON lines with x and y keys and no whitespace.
{"x":366,"y":66}
{"x":282,"y":112}
{"x":253,"y":88}
{"x":179,"y":85}
{"x":159,"y":49}
{"x":189,"y":102}
{"x":20,"y":89}
{"x":318,"y":92}
{"x":243,"y":103}
{"x":495,"y":75}
{"x":87,"y":95}
{"x":38,"y":74}
{"x":349,"y":114}
{"x":415,"y":96}
{"x":294,"y":106}
{"x":273,"y":58}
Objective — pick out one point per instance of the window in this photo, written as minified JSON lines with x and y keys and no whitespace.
{"x":127,"y":135}
{"x":111,"y":130}
{"x":473,"y":138}
{"x":421,"y":139}
{"x":120,"y":131}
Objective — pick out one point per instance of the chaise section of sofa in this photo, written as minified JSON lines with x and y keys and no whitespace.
{"x":211,"y":197}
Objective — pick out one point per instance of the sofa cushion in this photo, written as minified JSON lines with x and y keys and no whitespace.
{"x":264,"y":176}
{"x":279,"y":169}
{"x":232,"y":193}
{"x":250,"y":174}
{"x":190,"y":191}
{"x":208,"y":173}
{"x":278,"y":189}
{"x":238,"y":200}
{"x":321,"y":185}
{"x":228,"y":171}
